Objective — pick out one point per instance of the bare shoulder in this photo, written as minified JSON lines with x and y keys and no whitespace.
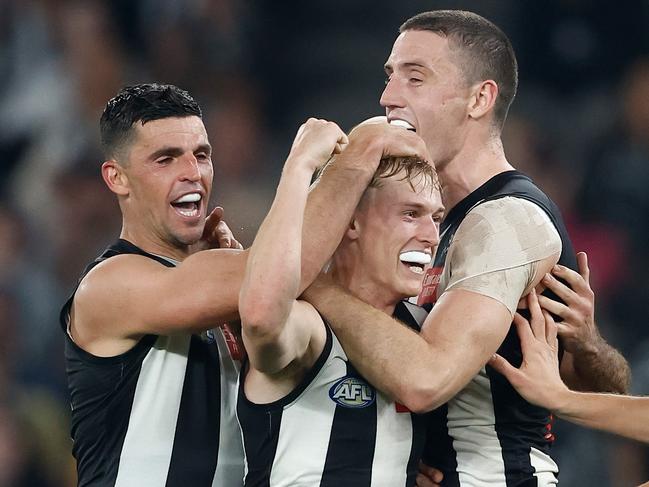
{"x":103,"y":302}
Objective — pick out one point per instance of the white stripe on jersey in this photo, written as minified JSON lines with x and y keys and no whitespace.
{"x":228,"y":468}
{"x":545,"y":467}
{"x":471,"y":424}
{"x":393,"y":444}
{"x":146,"y":453}
{"x":307,"y":446}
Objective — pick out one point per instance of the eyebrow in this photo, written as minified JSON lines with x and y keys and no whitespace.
{"x":172,"y":151}
{"x":409,"y":65}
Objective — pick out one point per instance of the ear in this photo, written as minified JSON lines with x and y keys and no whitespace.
{"x":353,"y":230}
{"x":483,"y":99}
{"x":115,"y":177}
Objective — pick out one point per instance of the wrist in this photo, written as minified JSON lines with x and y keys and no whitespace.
{"x":300,"y":165}
{"x":562,"y":401}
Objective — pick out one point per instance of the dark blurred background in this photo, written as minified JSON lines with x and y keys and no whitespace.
{"x":579,"y":127}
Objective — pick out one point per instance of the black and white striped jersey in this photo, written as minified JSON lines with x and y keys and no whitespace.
{"x":333,"y":430}
{"x":488,"y":435}
{"x":161,"y":414}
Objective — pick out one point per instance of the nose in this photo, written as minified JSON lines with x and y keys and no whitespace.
{"x":392,"y":96}
{"x":190,"y":170}
{"x":429,"y":233}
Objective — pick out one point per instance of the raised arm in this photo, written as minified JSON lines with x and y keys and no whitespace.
{"x":336,"y":194}
{"x":539,"y":382}
{"x":589,"y":362}
{"x":275,"y":327}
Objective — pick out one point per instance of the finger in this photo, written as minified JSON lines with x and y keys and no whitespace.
{"x":582,"y":264}
{"x":574,"y":279}
{"x":212,"y":220}
{"x":223,"y":235}
{"x":564,"y":330}
{"x":536,"y":316}
{"x":554,"y":307}
{"x":430,"y":474}
{"x":499,"y":364}
{"x":423,"y":481}
{"x":559,"y":288}
{"x":551,"y":330}
{"x":235,"y":244}
{"x":523,"y":328}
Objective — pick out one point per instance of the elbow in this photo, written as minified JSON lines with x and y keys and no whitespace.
{"x":421,"y":398}
{"x":258,"y":320}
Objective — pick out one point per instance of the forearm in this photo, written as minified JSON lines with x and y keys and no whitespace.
{"x":622,"y":415}
{"x":271,"y":281}
{"x":330,"y":206}
{"x":600,"y":368}
{"x":391,"y":356}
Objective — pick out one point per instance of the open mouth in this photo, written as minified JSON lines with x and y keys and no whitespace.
{"x":402,"y":123}
{"x":188,"y":205}
{"x":415,"y":260}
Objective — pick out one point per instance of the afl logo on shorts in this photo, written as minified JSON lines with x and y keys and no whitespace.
{"x":352,"y":392}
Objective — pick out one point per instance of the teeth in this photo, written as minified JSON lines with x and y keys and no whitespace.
{"x":416,"y":257}
{"x":189,"y":198}
{"x":416,"y":270}
{"x":402,"y":123}
{"x":192,"y":212}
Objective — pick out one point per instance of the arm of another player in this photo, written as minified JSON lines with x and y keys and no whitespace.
{"x":276,"y":329}
{"x":589,"y":362}
{"x":336,"y":194}
{"x":538,"y":381}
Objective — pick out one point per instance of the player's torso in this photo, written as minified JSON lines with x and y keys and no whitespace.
{"x":487,"y":435}
{"x":161,"y":414}
{"x":334,"y":429}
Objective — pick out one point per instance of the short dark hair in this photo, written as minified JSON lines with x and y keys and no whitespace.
{"x":485,"y":50}
{"x":141,"y":103}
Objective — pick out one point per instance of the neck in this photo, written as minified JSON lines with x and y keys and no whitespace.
{"x":344,"y":273}
{"x":152,"y":244}
{"x":470,"y":168}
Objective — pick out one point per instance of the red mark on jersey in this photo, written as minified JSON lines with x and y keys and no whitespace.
{"x":429,"y":289}
{"x":236,"y":350}
{"x":400,"y":408}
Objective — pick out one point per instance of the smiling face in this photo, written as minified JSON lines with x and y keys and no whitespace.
{"x":166,"y":183}
{"x":394,"y":234}
{"x":426,"y":89}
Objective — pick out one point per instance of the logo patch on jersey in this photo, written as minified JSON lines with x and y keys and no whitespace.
{"x":208,"y":336}
{"x":352,"y":392}
{"x":429,"y":288}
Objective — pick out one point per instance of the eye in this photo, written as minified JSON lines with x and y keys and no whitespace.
{"x":415,"y":81}
{"x":410,"y":213}
{"x":164,"y":160}
{"x":203,"y":156}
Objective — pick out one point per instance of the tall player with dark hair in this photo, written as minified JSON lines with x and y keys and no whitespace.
{"x":152,"y":374}
{"x":451,"y":77}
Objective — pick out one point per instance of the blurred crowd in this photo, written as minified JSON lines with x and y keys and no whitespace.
{"x":579,"y":127}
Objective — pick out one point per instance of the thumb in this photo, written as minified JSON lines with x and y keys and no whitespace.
{"x":498,"y":363}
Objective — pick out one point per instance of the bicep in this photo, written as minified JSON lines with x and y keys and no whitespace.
{"x":133,"y":295}
{"x":300,"y":340}
{"x":467,"y":328}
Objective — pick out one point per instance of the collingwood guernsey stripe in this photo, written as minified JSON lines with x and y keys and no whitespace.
{"x":161,"y":414}
{"x":334,"y":429}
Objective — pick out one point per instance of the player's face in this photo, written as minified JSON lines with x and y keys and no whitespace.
{"x":426,"y":88}
{"x":398,"y":231}
{"x":170,"y":174}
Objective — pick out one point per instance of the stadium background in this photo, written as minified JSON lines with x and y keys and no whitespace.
{"x":579,"y":126}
